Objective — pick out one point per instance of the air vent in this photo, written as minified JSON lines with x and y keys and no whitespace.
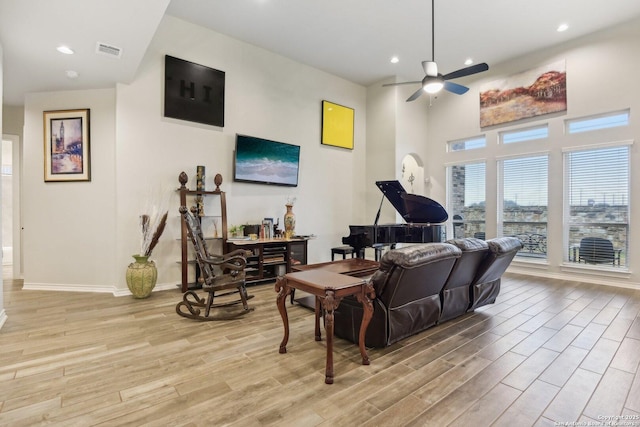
{"x":105,"y":49}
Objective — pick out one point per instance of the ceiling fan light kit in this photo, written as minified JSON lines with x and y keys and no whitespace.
{"x":433,"y":82}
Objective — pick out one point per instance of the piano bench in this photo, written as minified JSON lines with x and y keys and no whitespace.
{"x":344,"y":250}
{"x":378,"y":247}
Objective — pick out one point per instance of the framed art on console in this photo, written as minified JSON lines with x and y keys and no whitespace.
{"x":67,"y":146}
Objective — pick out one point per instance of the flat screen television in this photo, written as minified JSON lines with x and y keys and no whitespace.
{"x":263,"y":161}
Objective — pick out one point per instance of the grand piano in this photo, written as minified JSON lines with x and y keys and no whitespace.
{"x":424,"y":221}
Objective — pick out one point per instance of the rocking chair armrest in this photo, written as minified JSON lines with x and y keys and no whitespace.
{"x":238,"y":252}
{"x":233,"y":266}
{"x":234,"y":263}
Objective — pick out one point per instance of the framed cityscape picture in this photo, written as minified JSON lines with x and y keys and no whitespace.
{"x":67,"y":146}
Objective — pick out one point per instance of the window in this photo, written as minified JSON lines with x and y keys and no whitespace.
{"x":521,"y":135}
{"x":466,"y":199}
{"x":597,"y":206}
{"x":602,"y":121}
{"x":467,"y":144}
{"x":523,"y":210}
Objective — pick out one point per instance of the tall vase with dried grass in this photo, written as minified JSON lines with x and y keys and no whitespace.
{"x":142,"y":274}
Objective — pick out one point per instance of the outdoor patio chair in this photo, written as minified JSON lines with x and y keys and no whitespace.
{"x":596,"y":250}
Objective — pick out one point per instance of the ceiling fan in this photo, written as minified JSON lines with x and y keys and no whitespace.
{"x":433,"y":81}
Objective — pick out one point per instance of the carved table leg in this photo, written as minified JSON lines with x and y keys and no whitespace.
{"x":365,"y":296}
{"x":330,"y":303}
{"x":283,"y":290}
{"x":318,"y":308}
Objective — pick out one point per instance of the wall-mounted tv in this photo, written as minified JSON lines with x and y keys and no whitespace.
{"x":263,"y":161}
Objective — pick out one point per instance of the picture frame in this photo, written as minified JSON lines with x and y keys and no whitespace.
{"x":67,"y":145}
{"x":193,"y":92}
{"x":268,"y":228}
{"x":337,"y":125}
{"x":526,"y":95}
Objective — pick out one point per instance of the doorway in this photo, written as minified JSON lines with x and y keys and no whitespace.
{"x":11,"y":229}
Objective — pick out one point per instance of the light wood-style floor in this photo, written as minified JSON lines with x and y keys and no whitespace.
{"x":547,"y":351}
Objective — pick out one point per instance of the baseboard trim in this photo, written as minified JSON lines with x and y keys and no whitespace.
{"x":117,"y":292}
{"x":585,"y":277}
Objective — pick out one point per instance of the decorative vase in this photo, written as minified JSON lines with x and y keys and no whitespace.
{"x":141,"y":276}
{"x":289,"y":222}
{"x":200,"y":178}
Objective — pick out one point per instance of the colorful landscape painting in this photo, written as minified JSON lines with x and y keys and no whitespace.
{"x":533,"y":93}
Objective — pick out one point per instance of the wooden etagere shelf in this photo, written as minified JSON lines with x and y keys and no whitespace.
{"x":188,"y":195}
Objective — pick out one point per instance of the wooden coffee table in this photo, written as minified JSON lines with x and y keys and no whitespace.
{"x":328,"y":288}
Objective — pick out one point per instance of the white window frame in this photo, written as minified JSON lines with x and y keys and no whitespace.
{"x":472,"y":140}
{"x":567,"y":256}
{"x":500,"y":198}
{"x":449,"y":194}
{"x":525,"y":134}
{"x":593,"y":122}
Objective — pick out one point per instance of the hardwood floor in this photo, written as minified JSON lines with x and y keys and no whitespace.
{"x":547,"y":351}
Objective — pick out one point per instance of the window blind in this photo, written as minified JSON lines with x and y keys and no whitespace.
{"x":597,"y":199}
{"x":524,"y":203}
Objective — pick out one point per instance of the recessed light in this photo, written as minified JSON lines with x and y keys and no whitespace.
{"x":468,"y":61}
{"x":65,"y":49}
{"x":395,"y":60}
{"x":72,"y":74}
{"x":562,"y":27}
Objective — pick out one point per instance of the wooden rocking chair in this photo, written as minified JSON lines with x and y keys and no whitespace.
{"x":231,"y":281}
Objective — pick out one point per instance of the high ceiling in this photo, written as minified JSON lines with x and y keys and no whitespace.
{"x":353,"y":39}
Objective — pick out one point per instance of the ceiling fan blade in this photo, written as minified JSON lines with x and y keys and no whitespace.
{"x":430,"y":68}
{"x":478,"y":68}
{"x":455,"y":88}
{"x":415,"y":95}
{"x":402,"y":83}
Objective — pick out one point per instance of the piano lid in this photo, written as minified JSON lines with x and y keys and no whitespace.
{"x":412,"y":207}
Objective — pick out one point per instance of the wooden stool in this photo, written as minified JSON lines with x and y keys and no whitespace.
{"x":344,"y":250}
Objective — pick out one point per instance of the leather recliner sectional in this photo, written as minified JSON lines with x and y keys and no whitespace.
{"x":421,"y":285}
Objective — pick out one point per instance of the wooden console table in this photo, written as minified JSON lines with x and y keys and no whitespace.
{"x":270,"y":258}
{"x":329,"y":288}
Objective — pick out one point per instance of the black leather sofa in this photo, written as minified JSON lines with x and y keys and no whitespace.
{"x":420,"y":285}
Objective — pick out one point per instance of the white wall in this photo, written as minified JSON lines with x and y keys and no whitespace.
{"x":3,"y":315}
{"x":601,"y":77}
{"x":70,"y":227}
{"x":82,"y":235}
{"x":267,"y":96}
{"x":381,"y":156}
{"x":395,"y":128}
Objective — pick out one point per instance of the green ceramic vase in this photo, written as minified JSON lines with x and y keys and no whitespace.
{"x":141,"y":276}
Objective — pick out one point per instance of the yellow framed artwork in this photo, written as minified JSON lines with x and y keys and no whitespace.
{"x":337,"y":125}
